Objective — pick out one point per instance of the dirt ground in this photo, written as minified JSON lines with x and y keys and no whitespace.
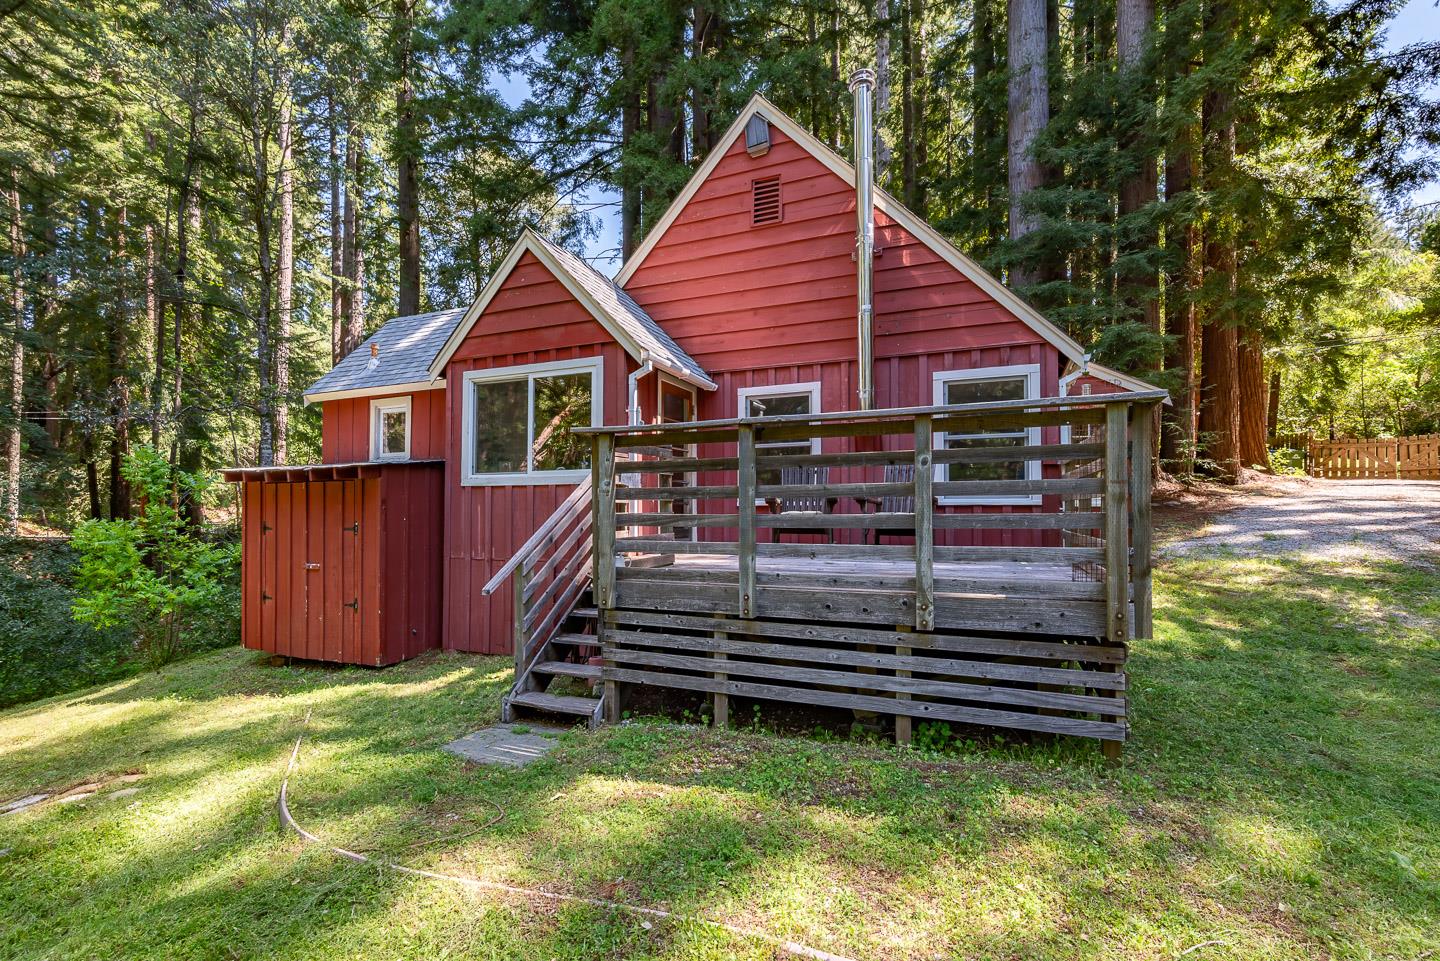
{"x":1326,"y":518}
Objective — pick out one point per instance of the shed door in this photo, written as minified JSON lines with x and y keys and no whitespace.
{"x":310,"y":570}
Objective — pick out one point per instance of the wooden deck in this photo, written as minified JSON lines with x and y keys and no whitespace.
{"x":915,"y":567}
{"x":1046,"y":597}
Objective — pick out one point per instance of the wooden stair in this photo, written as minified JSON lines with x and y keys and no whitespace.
{"x":555,"y":703}
{"x":562,"y":656}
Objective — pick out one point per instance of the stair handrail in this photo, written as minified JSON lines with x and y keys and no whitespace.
{"x":566,"y":511}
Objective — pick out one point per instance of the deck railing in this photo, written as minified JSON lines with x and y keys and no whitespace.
{"x":1016,"y":530}
{"x":548,"y":574}
{"x":987,"y":512}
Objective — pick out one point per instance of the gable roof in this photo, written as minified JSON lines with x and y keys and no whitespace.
{"x":614,"y":309}
{"x":407,"y":345}
{"x":885,"y":203}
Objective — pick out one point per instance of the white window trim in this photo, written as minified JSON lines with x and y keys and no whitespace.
{"x":378,"y":407}
{"x":811,"y":387}
{"x":1031,"y":373}
{"x":595,"y":366}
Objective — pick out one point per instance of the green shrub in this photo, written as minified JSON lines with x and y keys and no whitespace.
{"x":43,"y":650}
{"x":154,"y":574}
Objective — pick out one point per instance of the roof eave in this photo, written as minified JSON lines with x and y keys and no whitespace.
{"x":379,"y":390}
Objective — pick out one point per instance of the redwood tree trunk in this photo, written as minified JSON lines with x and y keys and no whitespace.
{"x":883,"y":153}
{"x":261,"y":215}
{"x":706,"y":37}
{"x":1177,"y":436}
{"x":629,"y":189}
{"x":118,"y":360}
{"x":913,"y":113}
{"x":285,"y":283}
{"x":1220,"y":401}
{"x":17,"y":360}
{"x":407,"y":203}
{"x":1029,"y":111}
{"x":1140,"y":285}
{"x":1253,"y":409}
{"x":1272,"y":406}
{"x":352,"y":296}
{"x":337,"y":263}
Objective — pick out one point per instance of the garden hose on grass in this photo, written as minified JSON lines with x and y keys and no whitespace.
{"x":287,"y":820}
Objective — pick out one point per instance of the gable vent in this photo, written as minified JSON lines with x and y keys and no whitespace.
{"x":765,"y":201}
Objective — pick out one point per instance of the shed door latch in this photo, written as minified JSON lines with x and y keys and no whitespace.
{"x":353,"y":605}
{"x":353,"y":528}
{"x":265,"y":597}
{"x":311,"y":566}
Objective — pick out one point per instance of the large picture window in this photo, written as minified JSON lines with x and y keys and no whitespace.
{"x":518,"y":421}
{"x":779,"y":401}
{"x":988,"y":385}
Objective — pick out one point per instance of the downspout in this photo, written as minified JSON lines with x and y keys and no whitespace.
{"x":633,"y":387}
{"x":861,"y":83}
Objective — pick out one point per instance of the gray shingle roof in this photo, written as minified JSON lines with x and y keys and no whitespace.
{"x":628,"y":315}
{"x":407,"y":346}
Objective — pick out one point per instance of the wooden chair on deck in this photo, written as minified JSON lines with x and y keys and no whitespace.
{"x":808,"y":505}
{"x":894,"y":503}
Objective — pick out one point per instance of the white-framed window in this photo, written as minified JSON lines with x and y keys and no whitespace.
{"x":516,"y":421}
{"x":981,"y":385}
{"x":390,"y":428}
{"x":777,"y":401}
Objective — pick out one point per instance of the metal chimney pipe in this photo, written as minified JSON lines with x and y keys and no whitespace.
{"x":862,"y":82}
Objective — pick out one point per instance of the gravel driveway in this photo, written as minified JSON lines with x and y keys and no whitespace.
{"x":1324,"y":518}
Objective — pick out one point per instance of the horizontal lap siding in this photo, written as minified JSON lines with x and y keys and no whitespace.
{"x":760,"y":306}
{"x":345,"y":427}
{"x":532,"y":319}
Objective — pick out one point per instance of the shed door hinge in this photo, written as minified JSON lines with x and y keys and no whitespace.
{"x":353,"y":528}
{"x":265,"y":597}
{"x":353,"y":605}
{"x":265,"y":528}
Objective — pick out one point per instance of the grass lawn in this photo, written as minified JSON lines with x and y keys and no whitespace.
{"x":1280,"y":799}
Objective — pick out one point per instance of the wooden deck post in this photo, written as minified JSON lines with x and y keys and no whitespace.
{"x":602,"y":577}
{"x":745,"y":486}
{"x":924,"y":524}
{"x":1117,"y":538}
{"x":721,"y":718}
{"x":903,"y":722}
{"x":521,"y":579}
{"x":1142,"y":465}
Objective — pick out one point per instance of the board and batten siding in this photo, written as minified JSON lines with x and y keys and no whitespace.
{"x":775,"y":304}
{"x":345,"y":427}
{"x":532,"y":319}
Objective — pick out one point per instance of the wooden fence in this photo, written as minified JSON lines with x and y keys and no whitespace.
{"x":1386,"y":458}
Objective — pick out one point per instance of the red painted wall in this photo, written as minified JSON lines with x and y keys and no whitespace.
{"x":532,"y":319}
{"x":772,"y":304}
{"x":776,"y":304}
{"x":345,"y":427}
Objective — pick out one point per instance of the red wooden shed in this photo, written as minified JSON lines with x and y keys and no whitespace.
{"x":341,"y":562}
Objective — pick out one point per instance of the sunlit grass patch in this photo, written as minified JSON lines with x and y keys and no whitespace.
{"x":1281,"y":799}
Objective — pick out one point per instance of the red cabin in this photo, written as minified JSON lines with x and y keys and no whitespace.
{"x":740,"y":303}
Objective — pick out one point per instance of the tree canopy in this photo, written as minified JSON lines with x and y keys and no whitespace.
{"x":208,"y":202}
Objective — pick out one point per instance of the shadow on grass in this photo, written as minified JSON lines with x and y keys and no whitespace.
{"x":1282,"y":784}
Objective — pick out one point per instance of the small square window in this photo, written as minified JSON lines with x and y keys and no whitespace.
{"x":390,"y":428}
